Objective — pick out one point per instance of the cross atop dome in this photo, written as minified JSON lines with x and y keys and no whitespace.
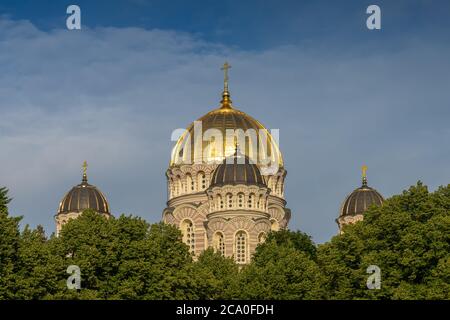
{"x":364,"y":175}
{"x":85,"y":166}
{"x":226,"y":101}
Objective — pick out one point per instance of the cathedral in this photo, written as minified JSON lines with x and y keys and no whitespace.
{"x":225,"y":185}
{"x":221,"y":193}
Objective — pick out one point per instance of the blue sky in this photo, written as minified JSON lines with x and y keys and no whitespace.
{"x":112,"y":93}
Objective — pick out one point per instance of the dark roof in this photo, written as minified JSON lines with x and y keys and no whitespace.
{"x":237,"y":169}
{"x":360,"y":199}
{"x":84,"y":196}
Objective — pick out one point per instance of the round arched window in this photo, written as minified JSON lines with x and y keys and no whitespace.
{"x":187,"y":228}
{"x":241,"y":247}
{"x":219,"y":242}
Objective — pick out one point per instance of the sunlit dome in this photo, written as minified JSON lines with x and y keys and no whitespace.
{"x":208,"y":140}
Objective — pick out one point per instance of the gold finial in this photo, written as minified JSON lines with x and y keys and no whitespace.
{"x":226,"y":101}
{"x":85,"y":166}
{"x":364,"y":171}
{"x":364,"y":175}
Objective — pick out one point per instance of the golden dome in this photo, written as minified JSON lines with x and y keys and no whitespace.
{"x":218,"y":142}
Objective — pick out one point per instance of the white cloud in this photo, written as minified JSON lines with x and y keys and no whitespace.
{"x":113,"y":96}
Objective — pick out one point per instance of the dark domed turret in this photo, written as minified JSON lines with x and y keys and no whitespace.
{"x":237,"y":169}
{"x":84,"y":196}
{"x":81,"y":197}
{"x":357,"y":202}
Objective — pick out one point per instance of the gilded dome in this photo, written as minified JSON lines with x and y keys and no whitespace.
{"x":360,"y":199}
{"x":237,"y":169}
{"x":84,"y":196}
{"x":218,"y":142}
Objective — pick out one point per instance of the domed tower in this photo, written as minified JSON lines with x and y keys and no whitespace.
{"x":238,"y":217}
{"x":79,"y":198}
{"x":201,"y":149}
{"x":357,"y":202}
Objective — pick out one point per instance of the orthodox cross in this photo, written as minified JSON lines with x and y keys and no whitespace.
{"x":364,"y":171}
{"x":85,"y":165}
{"x":225,"y":69}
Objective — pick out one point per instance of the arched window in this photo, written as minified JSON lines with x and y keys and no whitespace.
{"x":272,"y":184}
{"x":189,"y":183}
{"x":201,"y":180}
{"x":187,"y":229}
{"x":213,"y":203}
{"x":229,"y":200}
{"x":277,"y":185}
{"x":251,"y":201}
{"x":179,"y":185}
{"x":240,"y":200}
{"x":241,"y":247}
{"x":219,"y":200}
{"x":260,"y":202}
{"x":219,"y":242}
{"x":280,"y":186}
{"x":261,"y":237}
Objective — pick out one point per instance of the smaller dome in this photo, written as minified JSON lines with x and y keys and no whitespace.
{"x":84,"y":196}
{"x":237,"y":169}
{"x":360,"y":199}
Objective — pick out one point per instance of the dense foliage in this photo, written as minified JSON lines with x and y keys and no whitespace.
{"x":408,"y":238}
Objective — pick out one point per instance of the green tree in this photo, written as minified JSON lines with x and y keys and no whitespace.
{"x":283,"y":267}
{"x":4,"y":200}
{"x":408,"y":238}
{"x":37,"y":266}
{"x":295,"y":239}
{"x":124,"y":258}
{"x":9,"y":246}
{"x":216,"y":276}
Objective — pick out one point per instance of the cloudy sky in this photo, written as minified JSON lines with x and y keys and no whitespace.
{"x":113,"y":92}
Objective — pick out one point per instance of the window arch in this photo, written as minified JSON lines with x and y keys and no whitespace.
{"x":219,"y":202}
{"x":187,"y":229}
{"x":201,"y":180}
{"x":229,"y":200}
{"x":179,"y":185}
{"x":280,"y":186}
{"x":219,"y":242}
{"x":189,"y":183}
{"x":251,"y":201}
{"x":172,"y":188}
{"x":240,"y":200}
{"x":260,"y":202}
{"x":277,"y":185}
{"x":241,"y":252}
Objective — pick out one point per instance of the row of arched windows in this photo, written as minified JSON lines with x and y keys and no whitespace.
{"x":239,"y":201}
{"x":241,"y":245}
{"x":179,"y":186}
